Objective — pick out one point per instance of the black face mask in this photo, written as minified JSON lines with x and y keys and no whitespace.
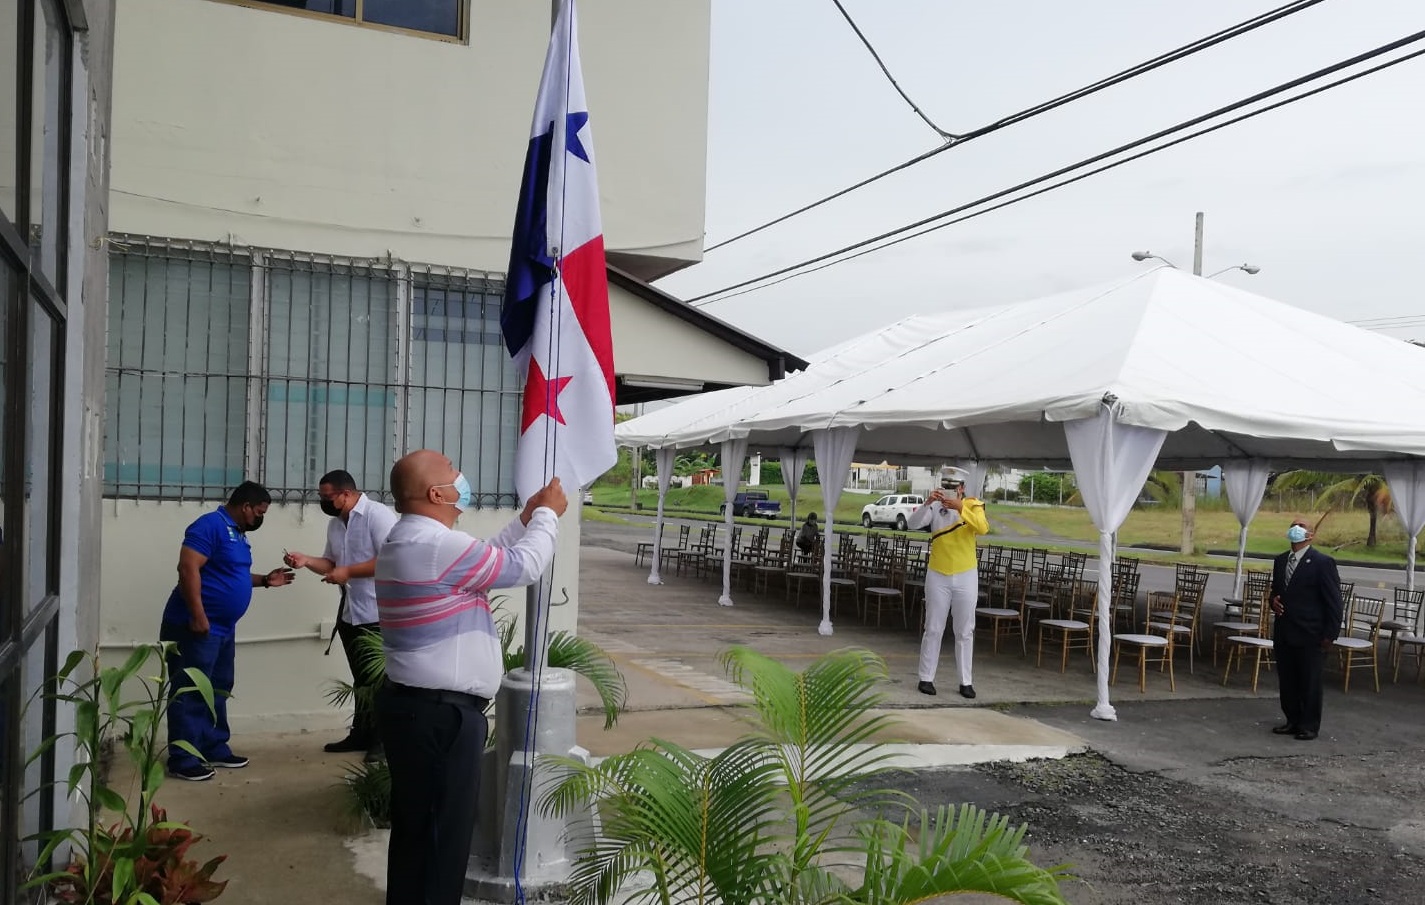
{"x":256,"y":523}
{"x":329,"y":508}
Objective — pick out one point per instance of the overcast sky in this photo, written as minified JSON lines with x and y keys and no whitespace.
{"x":1324,"y":195}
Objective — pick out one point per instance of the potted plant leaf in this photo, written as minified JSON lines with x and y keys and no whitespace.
{"x":128,"y":852}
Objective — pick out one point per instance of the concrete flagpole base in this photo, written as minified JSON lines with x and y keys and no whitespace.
{"x":512,"y":780}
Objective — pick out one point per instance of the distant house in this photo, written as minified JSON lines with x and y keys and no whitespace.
{"x":880,"y":478}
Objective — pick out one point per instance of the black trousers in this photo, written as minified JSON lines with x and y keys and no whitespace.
{"x":1299,"y":677}
{"x":363,"y":678}
{"x":433,"y":745}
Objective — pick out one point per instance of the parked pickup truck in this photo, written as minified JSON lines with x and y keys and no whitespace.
{"x":891,"y":510}
{"x":753,"y":503}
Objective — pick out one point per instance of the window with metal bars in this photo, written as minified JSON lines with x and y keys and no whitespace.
{"x":228,"y":363}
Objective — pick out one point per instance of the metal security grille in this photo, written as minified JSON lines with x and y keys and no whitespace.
{"x":230,"y":362}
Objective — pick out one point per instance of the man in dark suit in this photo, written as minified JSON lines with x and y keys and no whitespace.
{"x":1306,"y":600}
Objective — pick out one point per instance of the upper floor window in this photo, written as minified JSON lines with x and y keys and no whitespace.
{"x":432,"y":17}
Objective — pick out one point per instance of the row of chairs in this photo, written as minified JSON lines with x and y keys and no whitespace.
{"x":1358,"y":645}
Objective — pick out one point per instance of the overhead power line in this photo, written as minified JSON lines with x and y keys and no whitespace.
{"x":1117,"y":78}
{"x":929,"y":224}
{"x":887,"y":73}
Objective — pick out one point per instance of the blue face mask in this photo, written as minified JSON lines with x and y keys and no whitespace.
{"x":462,"y":486}
{"x":1296,"y":534}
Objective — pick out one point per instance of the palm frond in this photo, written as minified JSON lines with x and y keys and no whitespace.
{"x":704,"y":825}
{"x":1336,"y":490}
{"x":964,"y":851}
{"x":587,"y":659}
{"x":371,"y":656}
{"x":339,"y":693}
{"x":369,"y":785}
{"x":819,"y":726}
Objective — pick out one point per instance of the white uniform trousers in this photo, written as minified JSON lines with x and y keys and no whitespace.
{"x":954,"y":595}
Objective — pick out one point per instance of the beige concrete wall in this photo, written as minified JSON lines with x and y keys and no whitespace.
{"x":281,"y":673}
{"x":277,"y":130}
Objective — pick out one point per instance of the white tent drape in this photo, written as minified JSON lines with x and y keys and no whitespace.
{"x":733,"y":454}
{"x":975,"y":472}
{"x":1111,"y":462}
{"x":1407,"y":490}
{"x":794,"y":463}
{"x":834,"y":449}
{"x":664,"y":458}
{"x":1246,"y":483}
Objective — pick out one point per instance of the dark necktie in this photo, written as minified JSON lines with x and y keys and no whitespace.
{"x":1290,"y":567}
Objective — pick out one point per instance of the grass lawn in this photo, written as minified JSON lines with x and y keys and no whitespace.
{"x":1342,"y":533}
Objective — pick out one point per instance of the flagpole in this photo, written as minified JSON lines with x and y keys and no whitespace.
{"x":555,"y":322}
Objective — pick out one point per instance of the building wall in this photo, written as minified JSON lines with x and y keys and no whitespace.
{"x":282,"y":675}
{"x":276,"y":130}
{"x":650,"y":341}
{"x":297,"y":133}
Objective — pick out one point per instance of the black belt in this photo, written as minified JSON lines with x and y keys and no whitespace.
{"x":439,"y":695}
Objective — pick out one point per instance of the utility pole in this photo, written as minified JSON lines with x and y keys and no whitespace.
{"x":1190,"y":477}
{"x":635,"y":461}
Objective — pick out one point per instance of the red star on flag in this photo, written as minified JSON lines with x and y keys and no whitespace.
{"x":541,"y":396}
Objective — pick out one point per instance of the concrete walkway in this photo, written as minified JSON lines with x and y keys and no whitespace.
{"x":281,"y":820}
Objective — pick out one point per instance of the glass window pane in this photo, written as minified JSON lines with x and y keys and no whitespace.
{"x":346,"y":8}
{"x":176,"y":376}
{"x":40,"y":459}
{"x":9,"y":115}
{"x":465,"y":395}
{"x":438,"y":17}
{"x":51,"y":58}
{"x":330,"y":396}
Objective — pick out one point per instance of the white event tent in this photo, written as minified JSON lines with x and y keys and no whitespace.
{"x":1162,"y":368}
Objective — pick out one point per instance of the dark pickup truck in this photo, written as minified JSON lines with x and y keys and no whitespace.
{"x":753,"y":503}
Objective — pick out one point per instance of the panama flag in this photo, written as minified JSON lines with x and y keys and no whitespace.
{"x":556,"y":311}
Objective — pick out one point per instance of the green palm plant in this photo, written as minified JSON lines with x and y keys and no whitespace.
{"x":1166,"y":487}
{"x":785,"y":815}
{"x":1338,"y":491}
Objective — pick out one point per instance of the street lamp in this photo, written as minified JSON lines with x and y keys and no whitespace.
{"x":1148,"y":255}
{"x":1249,"y":269}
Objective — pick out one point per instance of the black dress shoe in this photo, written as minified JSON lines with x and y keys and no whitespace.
{"x":967,"y":691}
{"x":346,"y":745}
{"x":926,"y":688}
{"x":1285,"y":729}
{"x":1305,"y":735}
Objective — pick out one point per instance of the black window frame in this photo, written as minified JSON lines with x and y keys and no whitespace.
{"x":29,"y":628}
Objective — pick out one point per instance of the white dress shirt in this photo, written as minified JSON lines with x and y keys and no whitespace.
{"x":357,"y":540}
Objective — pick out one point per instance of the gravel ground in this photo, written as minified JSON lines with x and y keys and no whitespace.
{"x":1230,"y":837}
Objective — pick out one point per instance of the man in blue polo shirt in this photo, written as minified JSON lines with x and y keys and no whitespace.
{"x":215,"y":582}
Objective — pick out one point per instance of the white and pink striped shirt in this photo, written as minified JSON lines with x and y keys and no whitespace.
{"x":431,"y":587}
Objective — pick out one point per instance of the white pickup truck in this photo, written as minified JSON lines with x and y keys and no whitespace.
{"x":893,"y":510}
